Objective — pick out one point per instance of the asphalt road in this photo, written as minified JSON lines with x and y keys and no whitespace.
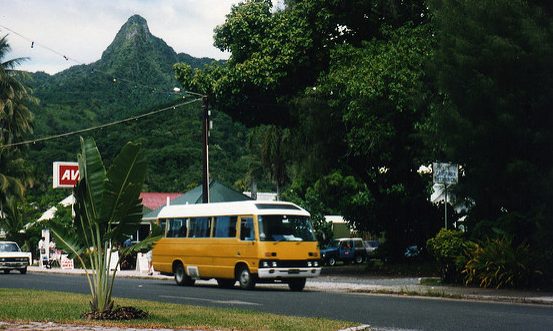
{"x":379,"y":311}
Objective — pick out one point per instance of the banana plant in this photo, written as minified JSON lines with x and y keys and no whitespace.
{"x":107,"y":209}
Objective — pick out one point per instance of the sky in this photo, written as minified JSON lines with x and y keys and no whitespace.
{"x":82,"y":29}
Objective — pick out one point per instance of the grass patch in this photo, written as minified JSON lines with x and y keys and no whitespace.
{"x":66,"y":308}
{"x":378,"y":268}
{"x":413,"y":268}
{"x":434,"y":281}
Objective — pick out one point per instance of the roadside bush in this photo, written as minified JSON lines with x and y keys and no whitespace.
{"x":497,"y":264}
{"x":448,"y":248}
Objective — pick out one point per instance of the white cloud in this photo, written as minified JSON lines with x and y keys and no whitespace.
{"x":82,"y":30}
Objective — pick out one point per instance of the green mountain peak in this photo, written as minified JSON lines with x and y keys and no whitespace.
{"x":136,"y":19}
{"x":135,"y":27}
{"x":135,"y":42}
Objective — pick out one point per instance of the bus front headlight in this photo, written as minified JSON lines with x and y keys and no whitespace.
{"x":274,"y":264}
{"x":265,"y":264}
{"x":309,"y":263}
{"x":316,"y":263}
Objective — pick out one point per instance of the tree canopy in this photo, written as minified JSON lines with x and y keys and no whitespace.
{"x":348,"y":79}
{"x":494,"y":64}
{"x":371,"y":90}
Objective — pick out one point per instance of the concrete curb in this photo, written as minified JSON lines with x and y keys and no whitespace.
{"x":357,"y":328}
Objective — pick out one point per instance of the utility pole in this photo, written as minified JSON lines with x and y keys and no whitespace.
{"x":445,"y":206}
{"x":205,"y":131}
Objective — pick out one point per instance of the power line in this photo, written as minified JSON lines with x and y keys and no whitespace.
{"x":61,"y":135}
{"x":34,"y":43}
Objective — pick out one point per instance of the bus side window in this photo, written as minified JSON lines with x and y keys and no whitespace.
{"x":163,"y":226}
{"x":177,"y":228}
{"x":182,"y":231}
{"x":232,"y":227}
{"x":200,"y":227}
{"x":224,"y":227}
{"x":246,"y":229}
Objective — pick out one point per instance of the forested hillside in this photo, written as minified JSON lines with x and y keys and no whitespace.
{"x":134,"y":76}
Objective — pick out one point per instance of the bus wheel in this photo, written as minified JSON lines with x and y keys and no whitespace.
{"x":296,"y":284}
{"x":246,"y":279}
{"x":226,"y":283}
{"x":181,"y":278}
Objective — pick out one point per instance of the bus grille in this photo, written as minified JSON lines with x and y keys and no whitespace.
{"x":292,"y":263}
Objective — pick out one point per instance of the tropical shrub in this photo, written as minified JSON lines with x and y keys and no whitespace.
{"x":495,"y":263}
{"x":448,"y":248}
{"x":107,"y":210}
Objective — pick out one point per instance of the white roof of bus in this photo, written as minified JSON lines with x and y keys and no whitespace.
{"x":252,"y":207}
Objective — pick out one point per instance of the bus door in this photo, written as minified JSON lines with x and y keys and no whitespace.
{"x":246,"y":249}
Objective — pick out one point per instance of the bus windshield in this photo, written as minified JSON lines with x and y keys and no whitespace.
{"x":285,"y":228}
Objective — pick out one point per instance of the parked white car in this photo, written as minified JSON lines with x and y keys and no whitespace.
{"x":12,"y":258}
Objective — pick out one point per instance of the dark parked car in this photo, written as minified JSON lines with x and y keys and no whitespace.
{"x":345,"y":250}
{"x":412,"y":251}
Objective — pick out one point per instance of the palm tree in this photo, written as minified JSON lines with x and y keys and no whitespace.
{"x":10,"y":169}
{"x":107,"y":210}
{"x":13,"y":222}
{"x":15,"y":123}
{"x":274,"y":146}
{"x":15,"y":116}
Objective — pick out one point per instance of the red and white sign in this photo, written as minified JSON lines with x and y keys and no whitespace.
{"x":66,"y":264}
{"x":66,"y":174}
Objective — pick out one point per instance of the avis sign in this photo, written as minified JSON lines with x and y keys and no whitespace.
{"x":66,"y":174}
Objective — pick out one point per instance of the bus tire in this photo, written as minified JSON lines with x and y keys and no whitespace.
{"x":181,"y":278}
{"x":296,"y":284}
{"x":246,"y":278}
{"x":225,"y":283}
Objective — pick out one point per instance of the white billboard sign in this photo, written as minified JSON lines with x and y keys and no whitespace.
{"x":445,"y":173}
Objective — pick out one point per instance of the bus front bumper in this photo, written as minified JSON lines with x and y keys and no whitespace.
{"x":279,"y":273}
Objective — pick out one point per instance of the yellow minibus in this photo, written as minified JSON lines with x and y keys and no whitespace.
{"x":247,"y":241}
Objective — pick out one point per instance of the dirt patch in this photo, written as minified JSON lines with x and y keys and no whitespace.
{"x":117,"y":314}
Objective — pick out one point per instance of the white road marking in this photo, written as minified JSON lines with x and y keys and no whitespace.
{"x":227,"y":302}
